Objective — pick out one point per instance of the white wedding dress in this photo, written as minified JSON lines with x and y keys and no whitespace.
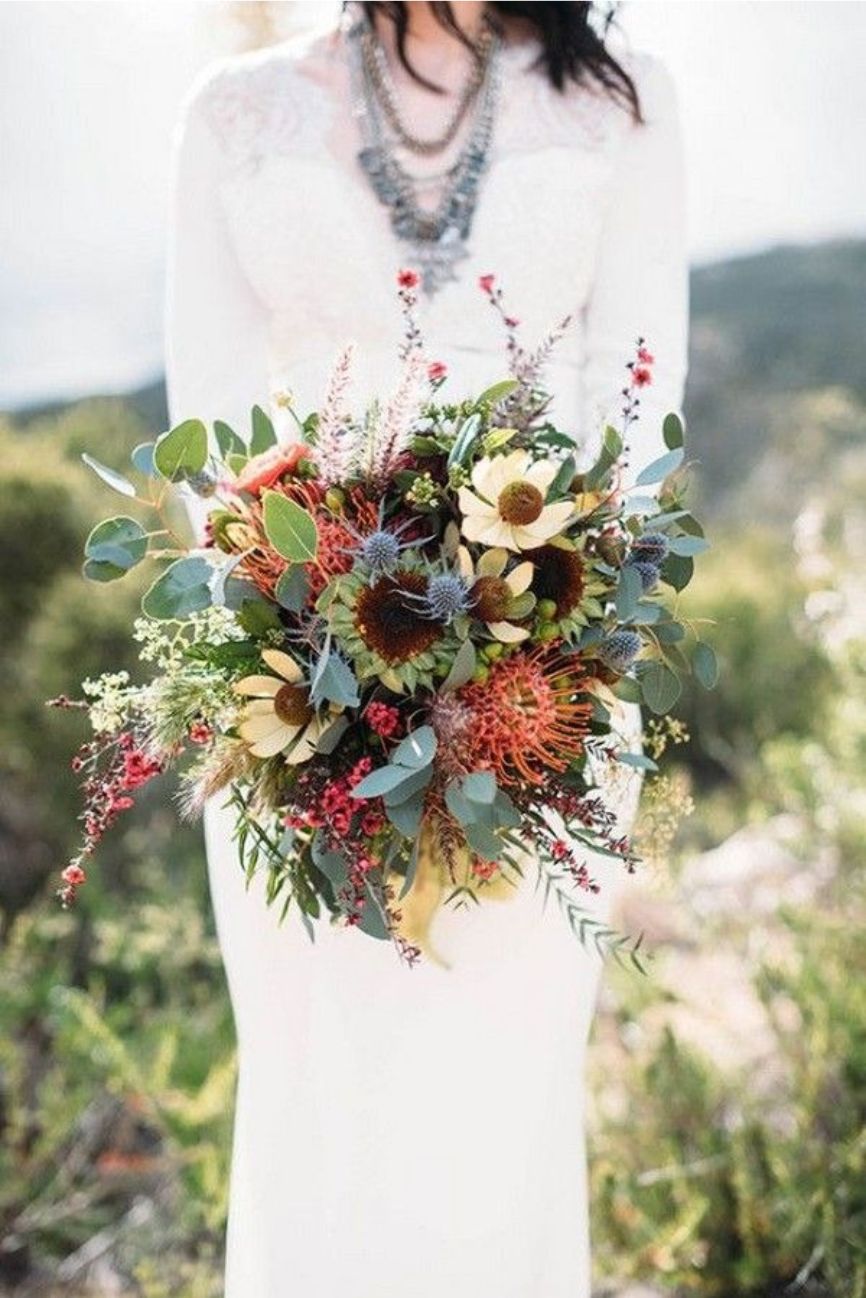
{"x":415,"y":1132}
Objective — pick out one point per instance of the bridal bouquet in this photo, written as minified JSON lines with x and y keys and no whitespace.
{"x":412,"y":624}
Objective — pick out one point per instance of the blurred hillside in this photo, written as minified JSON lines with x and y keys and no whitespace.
{"x":116,"y":1053}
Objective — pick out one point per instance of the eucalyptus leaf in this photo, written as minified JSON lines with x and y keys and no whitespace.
{"x":337,"y":684}
{"x":677,"y":571}
{"x":415,"y":783}
{"x":660,"y":468}
{"x":638,"y":760}
{"x":660,"y":521}
{"x":705,"y":665}
{"x":628,"y":690}
{"x":462,"y":668}
{"x":673,"y":431}
{"x":227,"y":440}
{"x":463,"y":811}
{"x":646,"y":613}
{"x":110,"y":477}
{"x":142,"y":459}
{"x":381,"y":781}
{"x":331,"y":737}
{"x":293,"y":588}
{"x":406,"y":816}
{"x":688,"y":545}
{"x":102,"y":571}
{"x":289,"y":528}
{"x":182,"y":451}
{"x":264,"y":436}
{"x":120,"y":542}
{"x":669,"y":632}
{"x":483,"y":842}
{"x":480,"y":786}
{"x":660,"y":687}
{"x":182,"y":589}
{"x":628,"y":593}
{"x":417,"y":749}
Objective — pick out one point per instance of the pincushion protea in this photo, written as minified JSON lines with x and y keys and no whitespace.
{"x":524,"y":720}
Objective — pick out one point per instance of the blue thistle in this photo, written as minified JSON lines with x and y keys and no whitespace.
{"x":652,"y":548}
{"x":380,"y":551}
{"x":446,"y":596}
{"x":619,"y":650}
{"x":648,"y":573}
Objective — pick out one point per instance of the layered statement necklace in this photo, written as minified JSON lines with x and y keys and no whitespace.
{"x":438,"y":231}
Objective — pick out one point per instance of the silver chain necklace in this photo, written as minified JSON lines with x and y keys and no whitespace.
{"x":437,"y":235}
{"x":376,"y":72}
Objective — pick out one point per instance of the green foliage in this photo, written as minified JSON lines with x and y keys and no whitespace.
{"x":735,"y":1192}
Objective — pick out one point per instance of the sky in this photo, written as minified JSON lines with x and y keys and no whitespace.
{"x":772,"y":96}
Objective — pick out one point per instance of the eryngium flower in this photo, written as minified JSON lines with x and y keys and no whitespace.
{"x":648,"y":573}
{"x":619,"y":650}
{"x":447,"y":595}
{"x":390,"y":621}
{"x":651,"y":548}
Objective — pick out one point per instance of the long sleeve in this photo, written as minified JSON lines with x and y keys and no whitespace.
{"x":216,"y":335}
{"x":640,"y":286}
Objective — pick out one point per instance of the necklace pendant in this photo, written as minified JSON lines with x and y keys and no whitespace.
{"x":437,"y":261}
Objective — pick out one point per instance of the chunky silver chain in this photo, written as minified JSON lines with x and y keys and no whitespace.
{"x":437,"y":235}
{"x":378,"y":75}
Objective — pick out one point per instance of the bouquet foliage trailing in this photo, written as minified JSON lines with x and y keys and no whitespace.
{"x":411,"y":625}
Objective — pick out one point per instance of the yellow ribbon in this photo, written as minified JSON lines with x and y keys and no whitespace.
{"x":432,"y":883}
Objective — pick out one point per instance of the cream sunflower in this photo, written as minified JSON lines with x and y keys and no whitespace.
{"x":507,"y":506}
{"x":280,"y":712}
{"x":497,"y":598}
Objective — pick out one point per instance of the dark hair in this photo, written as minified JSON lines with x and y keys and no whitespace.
{"x":572,"y":49}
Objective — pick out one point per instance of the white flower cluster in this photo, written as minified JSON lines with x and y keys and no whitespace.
{"x":111,"y":701}
{"x":163,"y":643}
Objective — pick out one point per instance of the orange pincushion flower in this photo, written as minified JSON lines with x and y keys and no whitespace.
{"x":264,"y":566}
{"x":523,"y":719}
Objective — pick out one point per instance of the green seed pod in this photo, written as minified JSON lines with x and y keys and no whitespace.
{"x":493,"y":651}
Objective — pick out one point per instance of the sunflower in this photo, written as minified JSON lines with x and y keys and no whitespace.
{"x":385,"y":627}
{"x":560,"y":575}
{"x":507,"y":507}
{"x":280,"y":712}
{"x":498,"y":596}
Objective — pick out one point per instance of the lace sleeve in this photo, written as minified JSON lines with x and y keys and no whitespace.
{"x":216,"y":337}
{"x":640,"y":284}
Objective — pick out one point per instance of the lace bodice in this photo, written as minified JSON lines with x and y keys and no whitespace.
{"x":281,"y":253}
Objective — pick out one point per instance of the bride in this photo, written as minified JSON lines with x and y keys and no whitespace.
{"x":420,"y":1132}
